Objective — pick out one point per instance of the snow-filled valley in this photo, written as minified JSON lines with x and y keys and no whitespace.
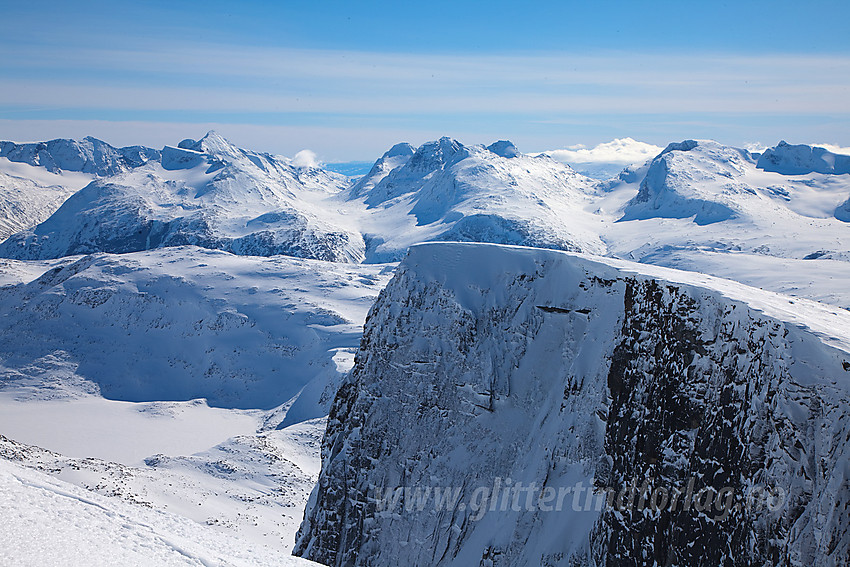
{"x":176,"y":325}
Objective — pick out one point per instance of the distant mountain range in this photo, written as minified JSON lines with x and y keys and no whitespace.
{"x":452,"y":314}
{"x":786,"y":202}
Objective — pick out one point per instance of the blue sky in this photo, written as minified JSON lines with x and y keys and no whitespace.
{"x":348,"y":80}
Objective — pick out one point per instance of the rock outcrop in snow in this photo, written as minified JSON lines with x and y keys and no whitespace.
{"x":485,"y":366}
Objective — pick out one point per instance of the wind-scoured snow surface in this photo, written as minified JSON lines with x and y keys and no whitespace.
{"x":484,"y":361}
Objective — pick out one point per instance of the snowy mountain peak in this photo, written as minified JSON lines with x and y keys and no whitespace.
{"x":504,"y":148}
{"x":799,"y":159}
{"x":398,"y":150}
{"x":677,"y":183}
{"x":436,"y":155}
{"x":394,"y":158}
{"x":207,"y":193}
{"x":482,"y":362}
{"x":212,"y":143}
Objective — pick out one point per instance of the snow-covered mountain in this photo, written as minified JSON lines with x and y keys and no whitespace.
{"x":185,"y":323}
{"x":699,"y":197}
{"x":36,"y":178}
{"x":88,"y":155}
{"x":801,"y":159}
{"x":206,"y":193}
{"x":488,"y":366}
{"x":201,"y":271}
{"x":447,"y":191}
{"x":789,"y":202}
{"x":30,"y":192}
{"x":24,"y":202}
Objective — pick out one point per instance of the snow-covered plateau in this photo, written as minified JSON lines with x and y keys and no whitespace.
{"x":177,"y":324}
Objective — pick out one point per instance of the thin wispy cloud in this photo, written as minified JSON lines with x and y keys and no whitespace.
{"x":261,"y":80}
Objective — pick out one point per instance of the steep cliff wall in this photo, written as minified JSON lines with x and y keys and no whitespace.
{"x":495,"y":385}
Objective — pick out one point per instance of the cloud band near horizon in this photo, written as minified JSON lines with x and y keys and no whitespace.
{"x":544,"y":100}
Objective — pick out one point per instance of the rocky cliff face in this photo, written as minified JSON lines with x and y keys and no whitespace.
{"x":503,"y":375}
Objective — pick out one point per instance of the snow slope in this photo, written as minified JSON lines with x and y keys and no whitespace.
{"x":165,"y":305}
{"x":699,"y":200}
{"x":184,"y":323}
{"x":48,"y":521}
{"x":694,"y":196}
{"x":800,"y":159}
{"x":30,"y":194}
{"x":207,"y":193}
{"x":482,"y":362}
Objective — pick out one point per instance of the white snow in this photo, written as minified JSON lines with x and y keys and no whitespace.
{"x":448,"y":191}
{"x":174,"y":375}
{"x":46,"y":521}
{"x":183,"y":323}
{"x":30,"y":194}
{"x":463,"y":378}
{"x":122,"y":432}
{"x":211,"y":194}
